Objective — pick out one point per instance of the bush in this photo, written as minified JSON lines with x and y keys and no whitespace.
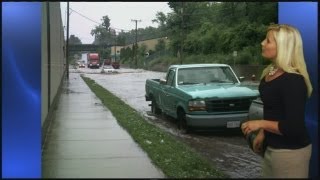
{"x":243,"y":57}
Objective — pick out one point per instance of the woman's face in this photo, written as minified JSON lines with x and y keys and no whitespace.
{"x":269,"y":46}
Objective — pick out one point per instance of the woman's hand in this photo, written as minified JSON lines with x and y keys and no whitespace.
{"x":250,"y":126}
{"x":258,"y":142}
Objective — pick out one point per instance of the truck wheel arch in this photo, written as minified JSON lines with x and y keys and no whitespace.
{"x":154,"y":105}
{"x":181,"y":120}
{"x":180,"y":108}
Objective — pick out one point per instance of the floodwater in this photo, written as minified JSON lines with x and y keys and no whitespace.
{"x":226,"y":149}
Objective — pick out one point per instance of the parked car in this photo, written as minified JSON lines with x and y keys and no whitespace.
{"x":201,"y":95}
{"x":107,"y":62}
{"x":107,"y":69}
{"x":115,"y":65}
{"x":256,"y":109}
{"x":82,"y":65}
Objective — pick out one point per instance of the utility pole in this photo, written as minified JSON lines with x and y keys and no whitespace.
{"x":114,"y":35}
{"x":67,"y":47}
{"x":115,"y":46}
{"x":182,"y":33}
{"x":135,"y":48}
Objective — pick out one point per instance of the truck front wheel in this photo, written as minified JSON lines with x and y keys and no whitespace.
{"x":154,"y":108}
{"x":182,"y":122}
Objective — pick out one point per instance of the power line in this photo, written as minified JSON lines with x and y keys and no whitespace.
{"x":85,"y":16}
{"x":96,"y":21}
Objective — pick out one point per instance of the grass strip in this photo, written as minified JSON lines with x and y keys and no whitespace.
{"x":173,"y":157}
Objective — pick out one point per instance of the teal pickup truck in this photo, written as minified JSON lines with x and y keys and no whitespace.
{"x":201,"y":96}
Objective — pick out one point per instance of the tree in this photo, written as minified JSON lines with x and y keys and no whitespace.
{"x":74,"y":40}
{"x":126,"y":54}
{"x":104,"y":53}
{"x":160,"y":19}
{"x":106,"y":22}
{"x":142,"y":50}
{"x":102,"y":32}
{"x":121,"y":40}
{"x":161,"y":45}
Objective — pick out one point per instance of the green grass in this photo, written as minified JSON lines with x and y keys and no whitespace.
{"x":173,"y":157}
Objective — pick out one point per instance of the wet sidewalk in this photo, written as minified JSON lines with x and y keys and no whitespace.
{"x":85,"y":140}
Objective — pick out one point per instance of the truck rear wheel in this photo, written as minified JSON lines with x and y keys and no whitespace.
{"x":182,"y":122}
{"x":154,"y":108}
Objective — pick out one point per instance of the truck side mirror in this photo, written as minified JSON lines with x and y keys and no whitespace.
{"x":241,"y":78}
{"x":163,"y":81}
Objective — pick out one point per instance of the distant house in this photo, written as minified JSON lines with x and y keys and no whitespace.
{"x":116,"y":49}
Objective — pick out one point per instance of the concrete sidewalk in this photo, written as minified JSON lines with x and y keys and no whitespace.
{"x":85,"y":140}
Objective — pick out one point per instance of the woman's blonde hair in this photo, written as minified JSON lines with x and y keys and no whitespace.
{"x":290,"y":56}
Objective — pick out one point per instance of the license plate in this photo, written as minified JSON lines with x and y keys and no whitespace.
{"x":233,"y":124}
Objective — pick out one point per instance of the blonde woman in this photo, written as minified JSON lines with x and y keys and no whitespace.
{"x":284,"y":89}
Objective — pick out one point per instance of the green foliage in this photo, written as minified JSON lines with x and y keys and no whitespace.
{"x":74,"y":40}
{"x":160,"y":18}
{"x":192,"y":44}
{"x":142,"y":50}
{"x":142,"y":34}
{"x":104,"y":53}
{"x":103,"y":33}
{"x":121,"y":40}
{"x":161,"y":45}
{"x":203,"y":30}
{"x":250,"y":55}
{"x":126,"y":54}
{"x":105,"y":22}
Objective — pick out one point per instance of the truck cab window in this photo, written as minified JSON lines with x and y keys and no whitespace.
{"x":170,"y":78}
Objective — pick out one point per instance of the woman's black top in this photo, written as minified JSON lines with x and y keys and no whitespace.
{"x":284,"y":99}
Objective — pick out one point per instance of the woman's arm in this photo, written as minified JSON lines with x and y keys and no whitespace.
{"x":271,"y":126}
{"x":258,"y":142}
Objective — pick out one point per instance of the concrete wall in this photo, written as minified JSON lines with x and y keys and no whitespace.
{"x":56,"y":61}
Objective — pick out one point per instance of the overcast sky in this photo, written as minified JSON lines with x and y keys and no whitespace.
{"x":120,"y":14}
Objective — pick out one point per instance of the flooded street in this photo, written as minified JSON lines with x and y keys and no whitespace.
{"x":225,"y":148}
